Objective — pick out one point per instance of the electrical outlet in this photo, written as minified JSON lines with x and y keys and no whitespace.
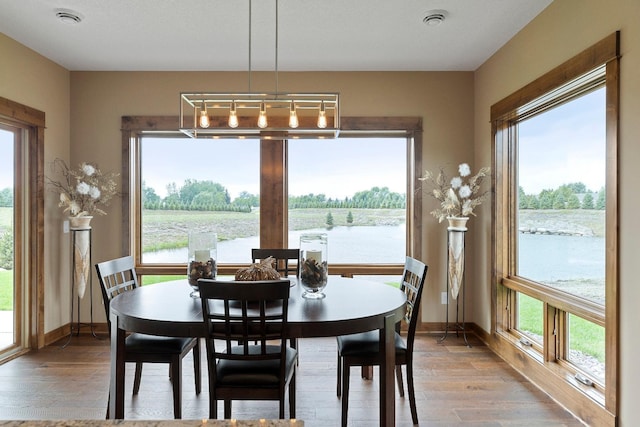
{"x":443,"y":298}
{"x":65,"y":226}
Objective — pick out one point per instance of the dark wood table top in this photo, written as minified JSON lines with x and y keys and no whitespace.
{"x":350,"y":306}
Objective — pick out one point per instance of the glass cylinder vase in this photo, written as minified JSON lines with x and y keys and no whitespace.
{"x":202,"y":256}
{"x":313,"y":264}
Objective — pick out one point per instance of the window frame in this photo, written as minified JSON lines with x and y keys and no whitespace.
{"x":548,"y":367}
{"x":273,"y":188}
{"x":30,"y":224}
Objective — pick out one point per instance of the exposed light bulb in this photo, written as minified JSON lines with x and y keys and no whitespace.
{"x":322,"y":117}
{"x":233,"y":116}
{"x":262,"y":118}
{"x":204,"y":117}
{"x":293,"y":116}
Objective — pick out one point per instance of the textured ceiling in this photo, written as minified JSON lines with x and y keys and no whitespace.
{"x":313,"y":35}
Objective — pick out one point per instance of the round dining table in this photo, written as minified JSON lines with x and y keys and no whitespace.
{"x":350,"y":306}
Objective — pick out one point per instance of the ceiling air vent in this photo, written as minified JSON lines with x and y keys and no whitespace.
{"x":68,"y":16}
{"x":435,"y":17}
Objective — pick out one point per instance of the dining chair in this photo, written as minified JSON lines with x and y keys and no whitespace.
{"x":282,"y":257}
{"x":263,"y":366}
{"x":283,"y":265}
{"x":118,"y":276}
{"x":363,"y":349}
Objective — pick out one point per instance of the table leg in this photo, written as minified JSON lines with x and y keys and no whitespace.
{"x":387,"y":373}
{"x":116,"y":386}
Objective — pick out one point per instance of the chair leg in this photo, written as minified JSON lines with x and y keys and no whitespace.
{"x":281,"y":408}
{"x":339,"y":380}
{"x":137,"y":377}
{"x":108,"y":405}
{"x":412,"y":392}
{"x":294,"y":345}
{"x":345,"y":391}
{"x":213,"y":405}
{"x":399,"y":380}
{"x":227,"y":409}
{"x":292,"y":397}
{"x":176,"y":373}
{"x":196,"y":367}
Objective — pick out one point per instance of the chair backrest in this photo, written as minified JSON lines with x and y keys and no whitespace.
{"x":116,"y":276}
{"x":245,"y":320}
{"x":282,"y":257}
{"x":413,"y":278}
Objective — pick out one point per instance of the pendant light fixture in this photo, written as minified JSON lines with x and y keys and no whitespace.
{"x":251,"y":114}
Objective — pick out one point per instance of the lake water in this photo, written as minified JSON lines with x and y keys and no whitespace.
{"x":554,"y":258}
{"x":546,"y":258}
{"x":362,"y":244}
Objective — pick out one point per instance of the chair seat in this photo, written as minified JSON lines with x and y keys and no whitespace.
{"x":259,"y":374}
{"x":146,"y":344}
{"x":367,"y":344}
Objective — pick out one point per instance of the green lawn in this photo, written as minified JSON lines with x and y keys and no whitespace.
{"x":6,"y":290}
{"x":585,"y":337}
{"x":6,"y":217}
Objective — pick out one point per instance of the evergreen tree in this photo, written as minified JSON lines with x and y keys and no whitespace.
{"x":559,"y":201}
{"x":601,"y":201}
{"x":6,"y":197}
{"x":329,"y":220}
{"x":573,"y":202}
{"x":349,"y":218}
{"x":587,"y":201}
{"x":545,"y":199}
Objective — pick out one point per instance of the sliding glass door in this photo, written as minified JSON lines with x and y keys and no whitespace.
{"x":9,"y":292}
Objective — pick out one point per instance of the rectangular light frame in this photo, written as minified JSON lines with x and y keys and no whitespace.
{"x":277,"y":106}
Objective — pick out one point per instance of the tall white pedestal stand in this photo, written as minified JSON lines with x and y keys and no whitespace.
{"x":456,"y":277}
{"x":79,"y":235}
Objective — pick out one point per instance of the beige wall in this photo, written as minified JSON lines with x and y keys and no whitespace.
{"x":444,"y":100}
{"x":564,"y":29}
{"x":32,"y":80}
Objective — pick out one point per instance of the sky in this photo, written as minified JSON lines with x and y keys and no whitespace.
{"x":337,"y":168}
{"x":564,"y":145}
{"x":6,"y":159}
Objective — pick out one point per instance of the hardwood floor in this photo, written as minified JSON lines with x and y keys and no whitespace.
{"x":455,"y":386}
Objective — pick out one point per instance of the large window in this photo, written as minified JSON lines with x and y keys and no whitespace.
{"x":194,"y":186}
{"x":353,"y":189}
{"x":556,"y":232}
{"x":265,"y":193}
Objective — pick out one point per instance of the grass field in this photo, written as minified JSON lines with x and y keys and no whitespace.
{"x":169,"y":229}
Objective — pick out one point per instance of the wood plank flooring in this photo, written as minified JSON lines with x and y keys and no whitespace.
{"x":455,"y":386}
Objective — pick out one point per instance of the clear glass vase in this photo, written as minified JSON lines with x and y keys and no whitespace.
{"x":203,"y":253}
{"x":313,"y":265}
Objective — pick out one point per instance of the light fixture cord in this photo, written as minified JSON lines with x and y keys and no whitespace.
{"x":250,"y":2}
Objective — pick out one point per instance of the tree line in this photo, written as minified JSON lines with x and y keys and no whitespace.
{"x":211,"y":196}
{"x":567,"y":196}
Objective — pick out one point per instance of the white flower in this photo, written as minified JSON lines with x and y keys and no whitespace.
{"x":465,"y":192}
{"x":456,"y":182}
{"x":464,"y":169}
{"x":83,"y":191}
{"x":88,"y":169}
{"x":458,"y":196}
{"x":94,"y":192}
{"x":83,"y":188}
